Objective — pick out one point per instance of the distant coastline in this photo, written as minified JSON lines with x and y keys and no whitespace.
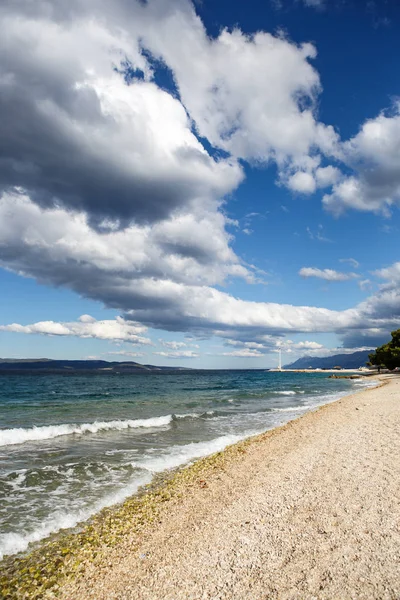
{"x":307,"y":364}
{"x":74,"y":367}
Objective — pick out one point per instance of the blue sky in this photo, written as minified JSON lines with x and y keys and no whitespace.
{"x":199,"y":184}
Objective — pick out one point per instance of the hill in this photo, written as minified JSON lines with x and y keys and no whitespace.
{"x":46,"y":365}
{"x":346,"y":361}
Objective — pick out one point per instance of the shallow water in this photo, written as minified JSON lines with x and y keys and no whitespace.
{"x":70,"y":445}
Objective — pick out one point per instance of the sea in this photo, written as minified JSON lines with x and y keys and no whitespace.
{"x":71,"y":445}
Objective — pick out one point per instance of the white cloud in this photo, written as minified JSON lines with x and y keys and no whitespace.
{"x":244,"y":353}
{"x":325,"y":352}
{"x":391,"y":273}
{"x":351,"y":261}
{"x":303,"y":345}
{"x":126,"y":353}
{"x":102,"y":137}
{"x":57,"y":248}
{"x":195,"y":308}
{"x":112,"y":330}
{"x":302,"y":182}
{"x":318,"y":234}
{"x":117,"y":199}
{"x":87,"y":319}
{"x":178,"y":354}
{"x":269,"y":345}
{"x":267,"y":116}
{"x":254,"y":96}
{"x":173,"y":345}
{"x":365,"y":284}
{"x":191,"y":248}
{"x":251,"y":345}
{"x":374,"y":156}
{"x":327,"y":274}
{"x":326,"y":176}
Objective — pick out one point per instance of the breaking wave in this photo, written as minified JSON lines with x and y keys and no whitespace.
{"x":11,"y":543}
{"x":19,"y":435}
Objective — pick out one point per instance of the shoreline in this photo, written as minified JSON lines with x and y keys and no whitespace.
{"x":25,"y":540}
{"x":321,"y":370}
{"x":65,"y":558}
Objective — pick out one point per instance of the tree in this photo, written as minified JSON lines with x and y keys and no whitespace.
{"x":388,"y":354}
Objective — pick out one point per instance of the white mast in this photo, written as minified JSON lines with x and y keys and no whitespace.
{"x":280,"y":359}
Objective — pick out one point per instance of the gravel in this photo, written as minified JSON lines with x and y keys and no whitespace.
{"x":308,"y":511}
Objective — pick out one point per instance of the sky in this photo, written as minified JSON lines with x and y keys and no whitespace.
{"x":198,"y":183}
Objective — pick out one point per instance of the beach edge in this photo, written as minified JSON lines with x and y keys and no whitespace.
{"x":63,"y":556}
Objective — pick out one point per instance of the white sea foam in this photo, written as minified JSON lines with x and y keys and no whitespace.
{"x":208,"y":413}
{"x":364,"y":383}
{"x":291,"y":409}
{"x":20,"y":478}
{"x":19,"y":435}
{"x":187,"y":416}
{"x":11,"y":543}
{"x":156,"y":461}
{"x":287,"y":393}
{"x":178,"y":455}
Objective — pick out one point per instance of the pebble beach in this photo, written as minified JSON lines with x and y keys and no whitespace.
{"x":307,"y":510}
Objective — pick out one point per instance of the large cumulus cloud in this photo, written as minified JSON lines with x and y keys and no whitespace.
{"x":139,"y":272}
{"x":374,"y":157}
{"x":116,"y":330}
{"x":75,"y":134}
{"x":114,"y":187}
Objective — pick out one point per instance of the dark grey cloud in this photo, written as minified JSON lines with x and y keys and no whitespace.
{"x":72,"y":132}
{"x":368,"y":337}
{"x":56,"y":169}
{"x":130,"y":271}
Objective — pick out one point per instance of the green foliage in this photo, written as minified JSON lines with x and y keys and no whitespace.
{"x":388,"y":355}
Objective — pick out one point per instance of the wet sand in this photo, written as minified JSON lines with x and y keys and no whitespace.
{"x":310,"y":510}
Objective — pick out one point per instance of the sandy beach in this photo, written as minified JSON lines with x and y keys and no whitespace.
{"x":309,"y":510}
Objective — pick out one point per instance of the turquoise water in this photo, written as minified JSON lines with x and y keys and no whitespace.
{"x":70,"y":445}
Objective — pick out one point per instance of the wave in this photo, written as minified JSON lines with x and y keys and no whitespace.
{"x":19,"y":435}
{"x":179,"y":455}
{"x":366,"y":383}
{"x":287,"y":393}
{"x":204,"y":415}
{"x":11,"y":543}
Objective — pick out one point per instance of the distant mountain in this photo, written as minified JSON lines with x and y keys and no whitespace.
{"x":46,"y":365}
{"x":346,"y":361}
